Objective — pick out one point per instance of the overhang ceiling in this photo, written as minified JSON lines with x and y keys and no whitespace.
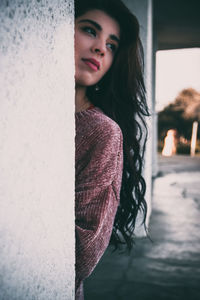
{"x":176,"y":23}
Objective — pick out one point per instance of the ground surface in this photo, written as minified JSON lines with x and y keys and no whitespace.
{"x":169,"y":267}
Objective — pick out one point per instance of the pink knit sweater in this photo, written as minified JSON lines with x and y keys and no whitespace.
{"x":99,"y":162}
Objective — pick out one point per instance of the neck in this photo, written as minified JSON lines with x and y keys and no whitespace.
{"x":81,"y":100}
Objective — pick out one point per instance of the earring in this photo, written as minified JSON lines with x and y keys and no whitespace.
{"x":96,"y":88}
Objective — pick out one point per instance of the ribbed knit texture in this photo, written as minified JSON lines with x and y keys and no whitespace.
{"x":99,"y":163}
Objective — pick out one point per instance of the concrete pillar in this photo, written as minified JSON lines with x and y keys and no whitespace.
{"x":154,"y":112}
{"x":36,"y":150}
{"x":143,"y":11}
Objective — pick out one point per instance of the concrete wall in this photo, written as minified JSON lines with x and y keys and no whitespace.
{"x":143,"y":11}
{"x":155,"y":169}
{"x":36,"y":150}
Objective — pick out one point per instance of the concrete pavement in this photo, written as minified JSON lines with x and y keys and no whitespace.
{"x":168,"y":268}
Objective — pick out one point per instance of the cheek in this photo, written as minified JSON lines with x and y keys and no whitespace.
{"x":78,"y":43}
{"x":108,"y":63}
{"x":76,"y":47}
{"x":81,"y":42}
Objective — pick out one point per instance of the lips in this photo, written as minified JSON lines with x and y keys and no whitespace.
{"x":92,"y":63}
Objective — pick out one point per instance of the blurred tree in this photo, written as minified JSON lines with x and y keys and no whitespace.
{"x":180,"y":114}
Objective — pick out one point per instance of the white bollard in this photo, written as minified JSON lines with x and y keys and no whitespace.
{"x":194,"y":138}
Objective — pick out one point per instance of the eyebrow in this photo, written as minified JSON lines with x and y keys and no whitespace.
{"x":98,"y":27}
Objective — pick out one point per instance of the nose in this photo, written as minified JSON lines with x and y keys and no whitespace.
{"x":99,"y":48}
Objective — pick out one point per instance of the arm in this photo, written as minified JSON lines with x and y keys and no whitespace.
{"x":97,"y":197}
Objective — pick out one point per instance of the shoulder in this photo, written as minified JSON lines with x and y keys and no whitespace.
{"x":99,"y":149}
{"x":104,"y":127}
{"x":95,"y":124}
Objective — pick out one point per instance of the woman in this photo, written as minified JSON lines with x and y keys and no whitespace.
{"x":110,"y":99}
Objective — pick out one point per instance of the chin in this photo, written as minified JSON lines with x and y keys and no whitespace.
{"x":85,"y":82}
{"x":86,"y":79}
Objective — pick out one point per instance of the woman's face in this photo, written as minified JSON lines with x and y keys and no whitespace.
{"x":96,"y":41}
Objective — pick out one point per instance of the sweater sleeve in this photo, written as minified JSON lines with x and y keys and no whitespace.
{"x":98,"y":183}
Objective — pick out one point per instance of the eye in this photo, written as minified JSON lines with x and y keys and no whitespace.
{"x":89,"y":30}
{"x":112,"y":47}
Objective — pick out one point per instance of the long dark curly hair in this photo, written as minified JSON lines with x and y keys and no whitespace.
{"x":121,"y":96}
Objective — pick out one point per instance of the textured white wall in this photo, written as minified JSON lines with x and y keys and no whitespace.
{"x":36,"y":150}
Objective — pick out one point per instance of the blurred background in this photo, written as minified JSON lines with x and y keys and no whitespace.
{"x":165,"y":265}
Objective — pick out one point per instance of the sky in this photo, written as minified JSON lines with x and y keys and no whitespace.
{"x":176,"y":70}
